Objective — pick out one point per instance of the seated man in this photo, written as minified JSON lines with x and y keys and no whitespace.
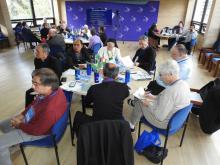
{"x":94,"y":39}
{"x":43,"y":60}
{"x":159,"y":109}
{"x":56,"y":43}
{"x":179,"y":54}
{"x":86,"y":33}
{"x":77,"y":56}
{"x":106,"y":98}
{"x":47,"y":109}
{"x":107,"y":103}
{"x":187,"y":37}
{"x":28,"y":35}
{"x":62,"y":28}
{"x":145,"y":55}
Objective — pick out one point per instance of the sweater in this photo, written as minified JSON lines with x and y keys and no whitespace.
{"x":169,"y":101}
{"x":145,"y":58}
{"x":47,"y":112}
{"x":108,"y":98}
{"x":51,"y":63}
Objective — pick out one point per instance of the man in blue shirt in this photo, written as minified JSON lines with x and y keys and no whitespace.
{"x":179,"y":54}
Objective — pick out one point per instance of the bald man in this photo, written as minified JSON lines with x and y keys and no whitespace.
{"x":55,"y":40}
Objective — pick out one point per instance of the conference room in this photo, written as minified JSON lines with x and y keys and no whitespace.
{"x":109,"y":82}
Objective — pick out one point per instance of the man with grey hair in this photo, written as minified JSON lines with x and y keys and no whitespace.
{"x":43,"y":60}
{"x":179,"y":54}
{"x":38,"y":118}
{"x":145,"y":56}
{"x":56,"y":40}
{"x":159,"y":109}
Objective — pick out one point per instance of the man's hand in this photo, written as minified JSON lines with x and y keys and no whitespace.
{"x":148,"y":95}
{"x":136,"y":63}
{"x":82,"y":66}
{"x":145,"y":102}
{"x":17,"y":120}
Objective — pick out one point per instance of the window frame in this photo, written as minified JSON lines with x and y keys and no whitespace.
{"x":201,"y":23}
{"x":34,"y":20}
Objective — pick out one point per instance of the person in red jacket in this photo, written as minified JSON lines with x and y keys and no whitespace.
{"x":38,"y":118}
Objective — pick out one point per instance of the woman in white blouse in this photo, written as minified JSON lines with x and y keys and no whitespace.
{"x":159,"y":109}
{"x":110,"y":53}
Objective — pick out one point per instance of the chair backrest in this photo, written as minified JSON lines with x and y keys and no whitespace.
{"x":59,"y":128}
{"x":178,"y":119}
{"x":105,"y":142}
{"x":95,"y":48}
{"x":193,"y":41}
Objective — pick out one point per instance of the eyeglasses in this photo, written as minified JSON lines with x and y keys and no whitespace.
{"x":36,"y":83}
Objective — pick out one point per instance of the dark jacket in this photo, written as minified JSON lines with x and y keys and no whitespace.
{"x":107,"y":99}
{"x":57,"y":40}
{"x":29,"y":36}
{"x":145,"y":58}
{"x":105,"y":143}
{"x":103,"y":38}
{"x":73,"y":60}
{"x":50,"y":62}
{"x":44,"y":32}
{"x":209,"y":114}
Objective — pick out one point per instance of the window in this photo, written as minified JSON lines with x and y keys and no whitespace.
{"x":19,"y":9}
{"x":201,"y":13}
{"x":43,"y":10}
{"x":32,"y":11}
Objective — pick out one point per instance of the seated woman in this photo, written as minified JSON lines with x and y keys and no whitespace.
{"x":109,"y":53}
{"x":77,"y":56}
{"x":145,"y":55}
{"x":159,"y":109}
{"x":44,"y":31}
{"x":153,"y":33}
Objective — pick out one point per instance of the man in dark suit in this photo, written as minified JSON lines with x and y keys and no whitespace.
{"x":43,"y":60}
{"x":145,"y":55}
{"x":77,"y":55}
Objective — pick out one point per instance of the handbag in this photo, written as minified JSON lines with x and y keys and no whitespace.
{"x":147,"y":139}
{"x":155,"y":153}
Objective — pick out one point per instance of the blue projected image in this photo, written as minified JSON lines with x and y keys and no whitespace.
{"x":99,"y":17}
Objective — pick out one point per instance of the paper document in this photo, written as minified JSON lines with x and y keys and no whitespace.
{"x":127,"y":62}
{"x":141,"y":76}
{"x":194,"y":96}
{"x":140,"y":93}
{"x":69,"y":72}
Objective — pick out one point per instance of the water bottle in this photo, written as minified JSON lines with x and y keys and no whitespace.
{"x":77,"y":74}
{"x":127,"y":76}
{"x":89,"y":69}
{"x":96,"y":77}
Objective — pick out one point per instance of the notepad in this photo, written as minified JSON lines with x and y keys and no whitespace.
{"x":127,"y":62}
{"x":194,"y":96}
